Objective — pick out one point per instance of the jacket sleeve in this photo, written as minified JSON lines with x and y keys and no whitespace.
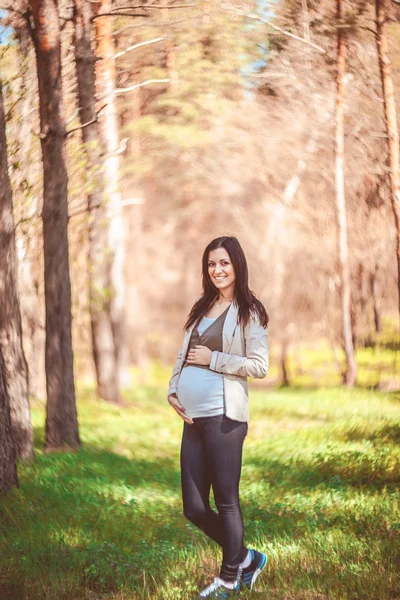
{"x":173,"y":382}
{"x":255,"y":363}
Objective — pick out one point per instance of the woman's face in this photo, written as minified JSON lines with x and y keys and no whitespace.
{"x":221,"y":271}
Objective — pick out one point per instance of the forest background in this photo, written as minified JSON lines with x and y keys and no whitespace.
{"x":135,"y":134}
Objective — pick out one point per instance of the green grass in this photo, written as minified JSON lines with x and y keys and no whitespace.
{"x":320,"y":494}
{"x":315,"y":364}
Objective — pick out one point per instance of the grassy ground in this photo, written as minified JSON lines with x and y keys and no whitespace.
{"x":320,"y":494}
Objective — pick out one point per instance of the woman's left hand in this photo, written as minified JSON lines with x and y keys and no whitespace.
{"x":199,"y":355}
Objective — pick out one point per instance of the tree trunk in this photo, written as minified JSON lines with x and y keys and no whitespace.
{"x":170,"y":53}
{"x":15,"y":366}
{"x":8,"y":465}
{"x":284,"y":370}
{"x":61,"y":415}
{"x":29,"y":245}
{"x":138,"y":304}
{"x":350,"y":374}
{"x":392,"y":132}
{"x":110,"y":235}
{"x":363,"y":287}
{"x":104,"y":353}
{"x":376,"y":292}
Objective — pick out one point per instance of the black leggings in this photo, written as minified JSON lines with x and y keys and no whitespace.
{"x":211,"y":455}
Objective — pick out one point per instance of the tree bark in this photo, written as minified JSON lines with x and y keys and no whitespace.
{"x":8,"y":465}
{"x":284,"y":369}
{"x":363,"y":286}
{"x":61,"y":414}
{"x":350,"y":374}
{"x":170,"y":54}
{"x":15,"y":366}
{"x":104,"y":352}
{"x":110,"y":236}
{"x":29,"y":245}
{"x":376,"y":291}
{"x":13,"y":372}
{"x":392,"y":131}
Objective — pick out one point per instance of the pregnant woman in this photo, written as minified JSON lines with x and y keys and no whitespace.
{"x":225,"y":342}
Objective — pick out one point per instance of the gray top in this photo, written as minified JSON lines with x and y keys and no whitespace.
{"x":208,"y":333}
{"x":201,"y":390}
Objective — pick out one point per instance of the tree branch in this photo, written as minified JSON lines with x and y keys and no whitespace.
{"x":146,"y":7}
{"x":346,"y":26}
{"x":88,"y":209}
{"x":284,"y":32}
{"x":8,"y":114}
{"x":73,"y":116}
{"x":153,"y":24}
{"x":117,"y":14}
{"x":364,"y":72}
{"x":137,"y":85}
{"x":94,"y":120}
{"x":36,"y":215}
{"x":130,"y":48}
{"x":118,"y":11}
{"x":14,"y":10}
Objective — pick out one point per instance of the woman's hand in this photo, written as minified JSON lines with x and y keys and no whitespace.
{"x":199,"y":355}
{"x":179,"y":409}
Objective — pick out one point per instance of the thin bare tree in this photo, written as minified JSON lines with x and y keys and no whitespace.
{"x":104,"y":354}
{"x":109,"y":251}
{"x":61,"y":415}
{"x":392,"y":131}
{"x":350,"y":374}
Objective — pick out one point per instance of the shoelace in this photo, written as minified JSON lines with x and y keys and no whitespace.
{"x":212,"y":587}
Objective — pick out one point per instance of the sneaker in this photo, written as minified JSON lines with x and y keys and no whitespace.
{"x":218,"y":591}
{"x":248,"y":575}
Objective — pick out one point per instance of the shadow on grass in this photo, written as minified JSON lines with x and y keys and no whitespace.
{"x":389,"y":433}
{"x":92,"y":463}
{"x":330,"y":470}
{"x":291,"y":509}
{"x":77,"y":523}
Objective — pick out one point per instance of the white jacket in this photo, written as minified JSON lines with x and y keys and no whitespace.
{"x":244,"y":354}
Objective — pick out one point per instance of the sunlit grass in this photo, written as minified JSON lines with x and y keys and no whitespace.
{"x":320,"y":494}
{"x":316,"y":363}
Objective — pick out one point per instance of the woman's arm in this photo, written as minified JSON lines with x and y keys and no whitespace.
{"x":255,"y":363}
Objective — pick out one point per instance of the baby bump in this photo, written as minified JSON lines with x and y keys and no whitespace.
{"x":201,"y":392}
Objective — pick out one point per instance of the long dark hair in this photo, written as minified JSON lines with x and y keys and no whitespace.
{"x":246,"y":300}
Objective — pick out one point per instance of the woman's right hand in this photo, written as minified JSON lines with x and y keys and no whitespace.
{"x":179,"y":409}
